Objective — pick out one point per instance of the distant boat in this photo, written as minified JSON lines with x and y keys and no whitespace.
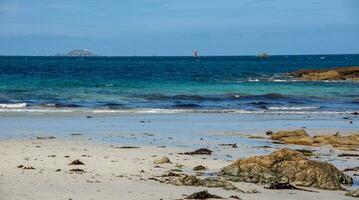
{"x":195,"y":54}
{"x":263,"y":55}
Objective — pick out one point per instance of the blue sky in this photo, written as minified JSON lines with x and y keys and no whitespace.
{"x":177,"y":27}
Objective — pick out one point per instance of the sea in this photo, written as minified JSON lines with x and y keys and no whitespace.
{"x":244,"y":84}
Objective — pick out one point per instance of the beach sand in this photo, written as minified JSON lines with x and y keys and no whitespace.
{"x":116,"y":173}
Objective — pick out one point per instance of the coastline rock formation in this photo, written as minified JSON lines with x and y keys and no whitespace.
{"x":288,"y":166}
{"x":354,"y":193}
{"x":300,"y":137}
{"x":341,"y":73}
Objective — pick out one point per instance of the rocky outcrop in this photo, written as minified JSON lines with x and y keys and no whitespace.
{"x":354,"y":193}
{"x":342,"y":73}
{"x":300,"y":137}
{"x":289,"y":166}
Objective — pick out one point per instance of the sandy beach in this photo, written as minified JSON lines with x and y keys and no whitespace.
{"x":112,"y":172}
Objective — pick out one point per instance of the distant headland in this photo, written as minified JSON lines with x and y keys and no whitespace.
{"x":78,"y":52}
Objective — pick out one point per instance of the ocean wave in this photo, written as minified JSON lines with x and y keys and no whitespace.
{"x":60,"y":105}
{"x":186,"y":105}
{"x":13,"y":105}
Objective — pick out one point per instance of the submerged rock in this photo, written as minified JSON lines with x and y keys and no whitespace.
{"x":199,"y":168}
{"x":201,"y":151}
{"x":289,"y":166}
{"x":45,"y":137}
{"x":162,"y":160}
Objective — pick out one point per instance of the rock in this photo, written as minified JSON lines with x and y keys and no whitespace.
{"x":306,"y":152}
{"x":77,"y":162}
{"x":203,"y":195}
{"x":252,"y":191}
{"x":213,"y":182}
{"x":76,"y":134}
{"x":126,"y":147}
{"x":285,"y":186}
{"x":45,"y":137}
{"x":300,"y":137}
{"x":202,"y":151}
{"x":25,"y":167}
{"x":162,"y":160}
{"x":286,"y":165}
{"x":234,"y":145}
{"x":234,"y":197}
{"x":191,"y":180}
{"x":354,"y":193}
{"x":199,"y":168}
{"x":185,"y":180}
{"x":341,"y":73}
{"x":269,"y":132}
{"x":281,"y":186}
{"x":77,"y":170}
{"x":348,"y":155}
{"x":354,"y":169}
{"x":337,"y":140}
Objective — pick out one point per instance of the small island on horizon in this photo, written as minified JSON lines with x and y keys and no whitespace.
{"x":78,"y":52}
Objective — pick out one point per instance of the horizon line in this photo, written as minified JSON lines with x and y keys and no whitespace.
{"x":228,"y":55}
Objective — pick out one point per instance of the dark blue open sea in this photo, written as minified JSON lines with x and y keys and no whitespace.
{"x":239,"y":83}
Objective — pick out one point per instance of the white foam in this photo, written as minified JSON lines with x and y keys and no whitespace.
{"x":253,"y":80}
{"x":272,"y":110}
{"x":280,"y":80}
{"x":13,"y":105}
{"x":141,"y":111}
{"x":293,"y":108}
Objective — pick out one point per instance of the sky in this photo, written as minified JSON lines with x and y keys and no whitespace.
{"x":178,"y":27}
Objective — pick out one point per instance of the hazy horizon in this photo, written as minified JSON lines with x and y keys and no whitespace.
{"x":177,"y":28}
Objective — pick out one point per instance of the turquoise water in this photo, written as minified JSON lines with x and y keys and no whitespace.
{"x":210,"y":83}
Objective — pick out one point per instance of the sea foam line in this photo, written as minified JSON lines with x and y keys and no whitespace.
{"x":171,"y":111}
{"x":13,"y":105}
